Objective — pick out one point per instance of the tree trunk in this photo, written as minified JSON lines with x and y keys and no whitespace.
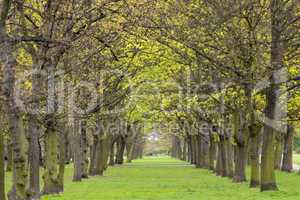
{"x":241,"y":136}
{"x":112,"y":154}
{"x":200,"y":154}
{"x":212,"y":153}
{"x":223,"y":157}
{"x":268,"y":179}
{"x":184,"y":152}
{"x":194,"y":149}
{"x":205,"y":150}
{"x":141,"y":150}
{"x":101,"y":162}
{"x":120,"y":151}
{"x":129,"y":149}
{"x":240,"y":165}
{"x":190,"y":152}
{"x":254,"y":155}
{"x":34,"y":158}
{"x":42,"y":153}
{"x":2,"y":169}
{"x":101,"y":153}
{"x":34,"y":131}
{"x":178,"y":148}
{"x":51,"y":183}
{"x":18,"y":191}
{"x":197,"y":151}
{"x":63,"y":143}
{"x":230,"y":155}
{"x":287,"y":163}
{"x":278,"y":150}
{"x":77,"y":143}
{"x":94,"y":153}
{"x":85,"y":160}
{"x":16,"y":126}
{"x":218,"y":170}
{"x":68,"y":149}
{"x":104,"y":149}
{"x":9,"y":156}
{"x":34,"y":134}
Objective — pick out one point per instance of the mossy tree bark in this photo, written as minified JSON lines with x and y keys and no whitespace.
{"x":112,"y":153}
{"x":241,"y":138}
{"x":77,"y":150}
{"x":174,"y":151}
{"x":268,"y":179}
{"x":138,"y":147}
{"x":120,"y":150}
{"x":85,"y":159}
{"x":178,"y":147}
{"x":2,"y":169}
{"x":218,"y":161}
{"x":287,"y":163}
{"x":184,"y":152}
{"x":223,"y":156}
{"x":51,"y":183}
{"x":278,"y":150}
{"x":34,"y":158}
{"x":141,"y":150}
{"x":205,"y":149}
{"x":20,"y":177}
{"x":63,"y":144}
{"x":212,"y":152}
{"x":94,"y":154}
{"x":102,"y":151}
{"x":16,"y":125}
{"x":223,"y":138}
{"x":130,"y":140}
{"x":33,"y":136}
{"x":230,"y":162}
{"x":196,"y":149}
{"x":189,"y":147}
{"x":199,"y":163}
{"x":9,"y":156}
{"x":129,"y":150}
{"x":254,"y":155}
{"x":32,"y":116}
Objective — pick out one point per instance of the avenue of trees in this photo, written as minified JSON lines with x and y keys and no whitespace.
{"x":82,"y":82}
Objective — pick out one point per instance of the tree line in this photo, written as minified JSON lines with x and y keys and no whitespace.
{"x":54,"y":56}
{"x":238,"y":84}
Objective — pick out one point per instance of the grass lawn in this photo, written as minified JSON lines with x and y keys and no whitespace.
{"x":168,"y":179}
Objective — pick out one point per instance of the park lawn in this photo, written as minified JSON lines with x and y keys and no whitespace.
{"x":164,"y":178}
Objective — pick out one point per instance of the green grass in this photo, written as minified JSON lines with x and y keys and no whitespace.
{"x":164,"y":178}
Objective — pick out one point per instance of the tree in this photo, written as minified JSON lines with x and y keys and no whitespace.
{"x":18,"y":138}
{"x":277,"y":10}
{"x":2,"y":168}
